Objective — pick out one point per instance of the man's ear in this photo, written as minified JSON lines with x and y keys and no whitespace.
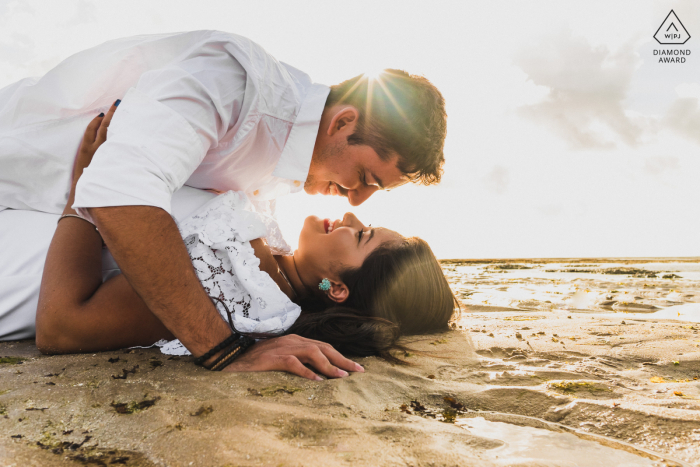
{"x":338,"y":292}
{"x":344,"y":119}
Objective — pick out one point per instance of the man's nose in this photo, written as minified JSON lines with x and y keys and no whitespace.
{"x":360,"y":195}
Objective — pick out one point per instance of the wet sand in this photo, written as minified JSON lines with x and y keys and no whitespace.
{"x":623,"y":383}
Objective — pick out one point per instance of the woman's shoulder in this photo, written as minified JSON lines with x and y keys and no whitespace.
{"x":232,"y":215}
{"x":227,"y":217}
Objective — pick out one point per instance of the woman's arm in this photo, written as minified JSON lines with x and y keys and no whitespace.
{"x":76,"y":311}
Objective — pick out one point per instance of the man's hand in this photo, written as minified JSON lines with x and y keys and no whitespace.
{"x":290,"y":353}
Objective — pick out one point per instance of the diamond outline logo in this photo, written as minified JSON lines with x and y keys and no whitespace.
{"x":679,"y":32}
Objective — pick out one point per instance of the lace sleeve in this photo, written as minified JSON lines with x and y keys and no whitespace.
{"x":275,"y":240}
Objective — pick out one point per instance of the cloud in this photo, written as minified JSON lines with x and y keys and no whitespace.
{"x":551,"y":210}
{"x":657,"y":165}
{"x":587,"y":86}
{"x":683,"y":116}
{"x":688,"y":90}
{"x":85,"y":12}
{"x":9,"y":9}
{"x":18,"y":51}
{"x":498,"y":179}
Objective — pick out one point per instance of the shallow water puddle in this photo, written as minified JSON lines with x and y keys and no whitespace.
{"x":524,"y":445}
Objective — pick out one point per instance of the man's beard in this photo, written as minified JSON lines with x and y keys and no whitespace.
{"x":319,"y":159}
{"x":310,"y":181}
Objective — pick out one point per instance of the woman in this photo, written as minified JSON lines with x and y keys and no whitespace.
{"x":355,"y":287}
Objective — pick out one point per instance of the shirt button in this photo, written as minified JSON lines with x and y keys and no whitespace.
{"x":297,"y":183}
{"x":256,"y":192}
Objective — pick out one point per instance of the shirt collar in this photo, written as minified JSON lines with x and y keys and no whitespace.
{"x":295,"y":159}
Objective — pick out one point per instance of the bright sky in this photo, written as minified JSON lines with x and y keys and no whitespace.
{"x":566,"y":138}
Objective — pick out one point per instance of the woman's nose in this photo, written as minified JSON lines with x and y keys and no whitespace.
{"x":349,"y":220}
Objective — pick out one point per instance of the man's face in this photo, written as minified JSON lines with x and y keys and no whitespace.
{"x":353,"y":171}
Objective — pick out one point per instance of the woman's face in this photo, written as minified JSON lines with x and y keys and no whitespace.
{"x":326,"y":247}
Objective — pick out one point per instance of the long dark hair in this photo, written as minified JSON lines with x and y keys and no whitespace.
{"x":399,"y":290}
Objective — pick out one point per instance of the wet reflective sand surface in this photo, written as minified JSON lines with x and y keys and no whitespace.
{"x":524,"y":445}
{"x":609,"y":347}
{"x":580,"y":287}
{"x":568,"y":363}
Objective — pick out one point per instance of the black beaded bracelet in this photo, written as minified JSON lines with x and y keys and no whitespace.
{"x":228,"y":360}
{"x":232,"y":353}
{"x":224,"y":354}
{"x":226,"y":342}
{"x":234,"y":345}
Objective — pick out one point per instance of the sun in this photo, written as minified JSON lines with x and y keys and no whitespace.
{"x":373,"y":74}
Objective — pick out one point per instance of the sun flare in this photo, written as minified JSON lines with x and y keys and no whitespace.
{"x":373,"y":74}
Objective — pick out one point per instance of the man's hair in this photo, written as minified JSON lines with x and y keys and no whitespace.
{"x":399,"y":113}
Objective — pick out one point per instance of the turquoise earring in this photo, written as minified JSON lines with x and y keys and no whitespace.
{"x":325,"y":285}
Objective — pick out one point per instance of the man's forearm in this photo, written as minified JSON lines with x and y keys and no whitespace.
{"x":147,"y":245}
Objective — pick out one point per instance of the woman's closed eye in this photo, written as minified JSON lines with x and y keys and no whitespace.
{"x":361,"y":233}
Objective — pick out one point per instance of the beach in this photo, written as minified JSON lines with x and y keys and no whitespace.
{"x":604,"y":372}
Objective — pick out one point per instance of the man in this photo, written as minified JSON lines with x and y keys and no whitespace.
{"x":209,"y":110}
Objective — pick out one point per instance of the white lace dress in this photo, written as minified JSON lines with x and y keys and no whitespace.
{"x":217,"y":238}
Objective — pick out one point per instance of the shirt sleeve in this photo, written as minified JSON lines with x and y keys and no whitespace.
{"x":161,"y":132}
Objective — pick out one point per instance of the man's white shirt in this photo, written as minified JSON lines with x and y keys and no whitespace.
{"x":206,"y":109}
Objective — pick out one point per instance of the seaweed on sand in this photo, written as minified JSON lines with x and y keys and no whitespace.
{"x":628,"y":271}
{"x":447,"y":415}
{"x":508,"y":266}
{"x":11,"y":360}
{"x":203,"y":411}
{"x":573,"y":387}
{"x":274,"y":390}
{"x":129,"y":408}
{"x":125,"y":373}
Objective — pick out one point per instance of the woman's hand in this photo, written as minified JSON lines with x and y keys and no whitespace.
{"x":95,"y":135}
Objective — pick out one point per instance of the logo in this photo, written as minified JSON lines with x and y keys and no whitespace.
{"x":672,"y":31}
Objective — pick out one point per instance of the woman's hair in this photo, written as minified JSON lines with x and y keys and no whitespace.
{"x":400,"y":289}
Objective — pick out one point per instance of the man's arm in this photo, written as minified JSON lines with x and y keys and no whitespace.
{"x":157,"y":139}
{"x":147,"y":245}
